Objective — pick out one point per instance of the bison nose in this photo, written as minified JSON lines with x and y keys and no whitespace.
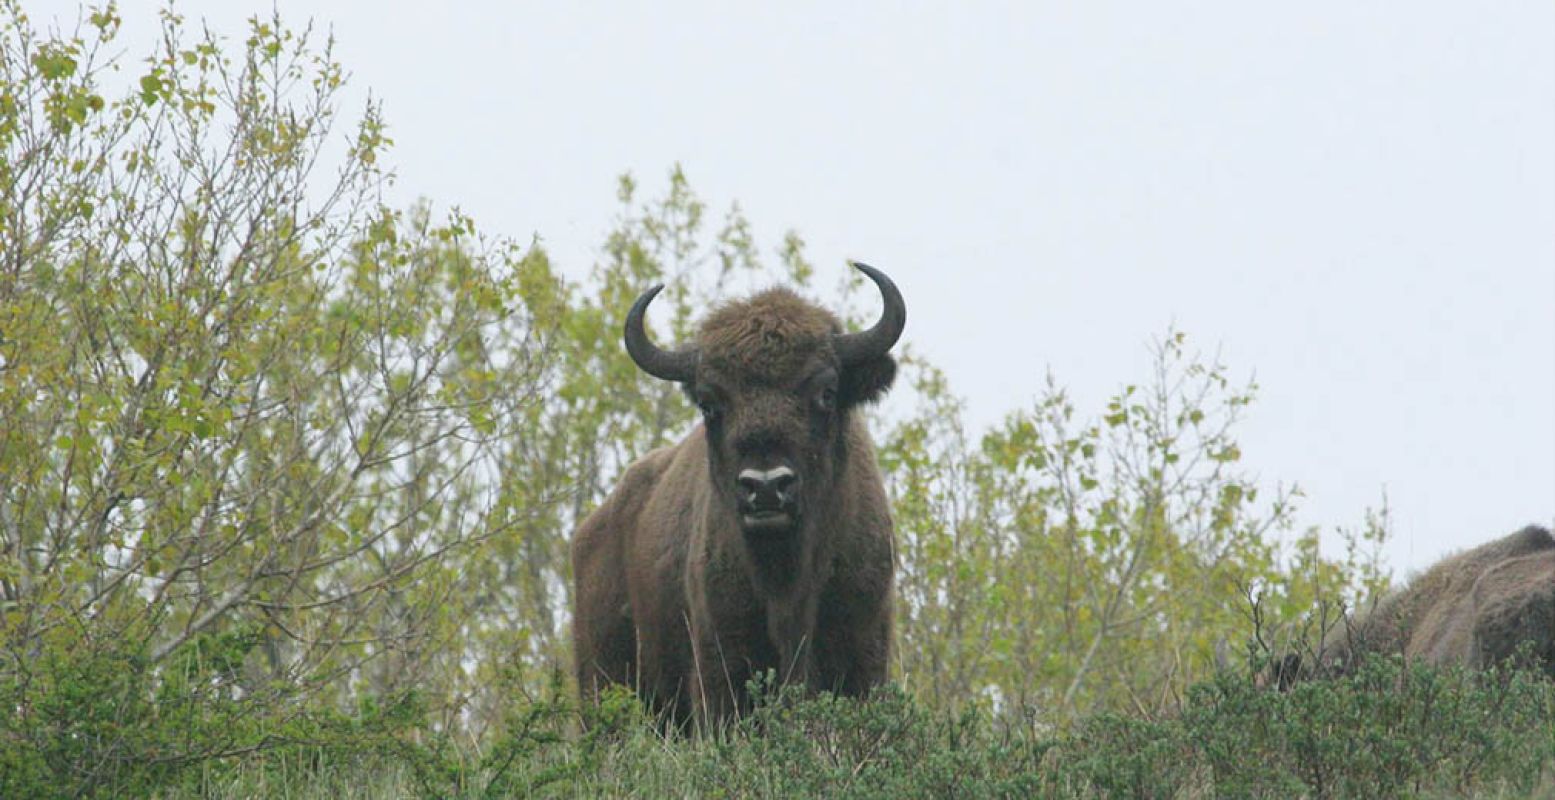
{"x":767,"y":490}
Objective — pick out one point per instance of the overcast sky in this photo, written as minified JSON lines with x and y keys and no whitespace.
{"x":1354,"y":200}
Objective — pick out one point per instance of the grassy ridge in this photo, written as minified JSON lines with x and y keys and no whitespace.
{"x":1389,"y":731}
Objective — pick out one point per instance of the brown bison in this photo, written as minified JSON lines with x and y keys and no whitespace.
{"x":1474,"y":609}
{"x":763,"y":540}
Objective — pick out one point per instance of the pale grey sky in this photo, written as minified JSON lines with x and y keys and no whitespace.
{"x":1355,"y":200}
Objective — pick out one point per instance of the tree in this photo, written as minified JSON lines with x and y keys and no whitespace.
{"x":1066,"y":565}
{"x":239,"y":397}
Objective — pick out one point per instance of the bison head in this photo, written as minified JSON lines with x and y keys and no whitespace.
{"x":775,"y":378}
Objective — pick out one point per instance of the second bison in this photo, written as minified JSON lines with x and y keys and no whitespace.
{"x":1475,"y":609}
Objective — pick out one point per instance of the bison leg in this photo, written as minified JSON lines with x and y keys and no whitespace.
{"x":853,"y":651}
{"x":604,"y":650}
{"x":724,"y":665}
{"x":604,"y":639}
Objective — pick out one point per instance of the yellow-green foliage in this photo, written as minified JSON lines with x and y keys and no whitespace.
{"x":1061,"y":564}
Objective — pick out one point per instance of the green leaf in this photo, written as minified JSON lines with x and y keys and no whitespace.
{"x":54,"y":65}
{"x":151,"y":88}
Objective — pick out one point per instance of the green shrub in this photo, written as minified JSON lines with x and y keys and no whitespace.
{"x":1122,"y":756}
{"x":1391,"y":729}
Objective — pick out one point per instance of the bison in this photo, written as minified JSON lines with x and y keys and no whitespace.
{"x":1475,"y":609}
{"x":763,"y":540}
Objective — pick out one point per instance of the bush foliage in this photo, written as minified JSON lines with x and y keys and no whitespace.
{"x":289,"y":476}
{"x":1389,"y":731}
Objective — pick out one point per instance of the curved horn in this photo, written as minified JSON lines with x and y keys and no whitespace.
{"x":668,"y":365}
{"x":855,"y":347}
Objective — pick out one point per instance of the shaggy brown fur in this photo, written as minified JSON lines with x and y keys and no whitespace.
{"x":677,"y":597}
{"x":767,"y":337}
{"x":1474,"y":609}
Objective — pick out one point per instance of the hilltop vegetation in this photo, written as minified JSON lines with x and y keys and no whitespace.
{"x":289,"y":476}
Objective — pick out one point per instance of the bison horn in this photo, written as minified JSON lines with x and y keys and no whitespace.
{"x":853,"y":348}
{"x":671,"y":366}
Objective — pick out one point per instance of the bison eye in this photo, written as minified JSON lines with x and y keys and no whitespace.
{"x":826,"y":400}
{"x":708,"y":401}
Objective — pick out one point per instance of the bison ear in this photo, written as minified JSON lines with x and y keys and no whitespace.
{"x":866,"y":381}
